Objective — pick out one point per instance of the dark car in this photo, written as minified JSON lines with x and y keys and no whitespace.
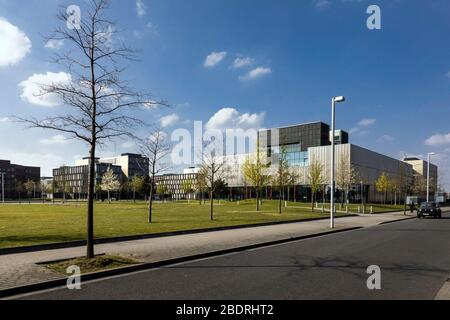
{"x":430,"y":209}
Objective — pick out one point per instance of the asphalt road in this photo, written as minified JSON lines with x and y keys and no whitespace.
{"x":414,"y":257}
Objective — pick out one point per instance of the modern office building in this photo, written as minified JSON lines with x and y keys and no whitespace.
{"x":15,"y":176}
{"x":420,"y":174}
{"x":175,"y":184}
{"x":131,"y":164}
{"x":304,"y":143}
{"x":73,"y":180}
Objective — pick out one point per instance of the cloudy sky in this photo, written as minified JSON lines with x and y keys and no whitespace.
{"x":249,"y":64}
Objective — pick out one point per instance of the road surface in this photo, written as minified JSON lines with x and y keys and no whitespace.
{"x":414,"y":257}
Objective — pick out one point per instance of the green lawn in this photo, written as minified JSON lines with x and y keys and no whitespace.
{"x":23,"y":225}
{"x":353,"y":208}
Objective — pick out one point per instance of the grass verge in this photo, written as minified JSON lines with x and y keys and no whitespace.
{"x":99,"y":263}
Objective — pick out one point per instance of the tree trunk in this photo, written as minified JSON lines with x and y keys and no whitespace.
{"x":90,"y":212}
{"x":313,"y":197}
{"x":257,"y":200}
{"x":211,"y":199}
{"x":150,"y":204}
{"x":134,"y":196}
{"x":280,"y":201}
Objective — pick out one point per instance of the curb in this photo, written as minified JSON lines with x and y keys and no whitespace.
{"x":80,"y":243}
{"x":404,"y":219}
{"x":444,"y":292}
{"x":151,"y":265}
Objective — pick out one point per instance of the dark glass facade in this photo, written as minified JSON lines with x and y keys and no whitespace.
{"x":15,"y":176}
{"x":74,"y":180}
{"x":294,"y":141}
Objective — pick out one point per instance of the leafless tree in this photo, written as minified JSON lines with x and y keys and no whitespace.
{"x":99,"y":104}
{"x":213,"y":169}
{"x":156,"y":148}
{"x":346,"y":176}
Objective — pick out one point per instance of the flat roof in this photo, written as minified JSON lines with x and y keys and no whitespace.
{"x":295,"y":125}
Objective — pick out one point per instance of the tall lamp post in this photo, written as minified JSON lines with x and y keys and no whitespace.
{"x":333,"y":131}
{"x":428,"y":175}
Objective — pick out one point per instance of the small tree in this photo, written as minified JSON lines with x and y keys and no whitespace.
{"x":137,"y":184}
{"x":19,"y":189}
{"x":346,"y":177}
{"x":256,"y":172}
{"x":316,"y":179}
{"x":44,"y":188}
{"x":162,"y":190}
{"x":188,"y":188}
{"x":213,"y":169}
{"x":201,"y":185}
{"x":110,"y":183}
{"x":29,"y":188}
{"x":281,"y":175}
{"x":156,"y":148}
{"x":382,"y":185}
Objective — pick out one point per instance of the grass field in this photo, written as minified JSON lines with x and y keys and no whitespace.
{"x":23,"y":224}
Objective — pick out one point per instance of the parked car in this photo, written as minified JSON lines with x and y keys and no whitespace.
{"x":430,"y":209}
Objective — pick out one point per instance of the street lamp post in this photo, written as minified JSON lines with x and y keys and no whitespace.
{"x":333,"y":130}
{"x":428,"y":175}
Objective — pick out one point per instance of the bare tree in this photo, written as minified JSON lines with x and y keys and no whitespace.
{"x":255,"y":170}
{"x":97,"y":100}
{"x":281,"y":174}
{"x":213,"y":169}
{"x":110,"y":182}
{"x":29,"y":187}
{"x":155,"y":147}
{"x":346,"y":177}
{"x":201,"y":185}
{"x":316,"y":179}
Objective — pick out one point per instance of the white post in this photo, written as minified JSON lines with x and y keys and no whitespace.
{"x":333,"y":119}
{"x":428,"y":177}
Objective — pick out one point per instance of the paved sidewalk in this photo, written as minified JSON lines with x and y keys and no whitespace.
{"x":22,"y":269}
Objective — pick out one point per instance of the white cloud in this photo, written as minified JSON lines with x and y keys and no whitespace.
{"x":363,"y":123}
{"x":169,"y":120}
{"x":230,"y":118}
{"x":54,"y":44}
{"x":14,"y":44}
{"x":438,"y":140}
{"x":58,"y":139}
{"x":447,"y":74}
{"x":214,"y":58}
{"x":367,"y":122}
{"x":241,"y":62}
{"x":141,"y":8}
{"x":32,"y":88}
{"x":385,"y":138}
{"x":5,"y":119}
{"x":128,"y":145}
{"x":321,"y":3}
{"x":256,"y":73}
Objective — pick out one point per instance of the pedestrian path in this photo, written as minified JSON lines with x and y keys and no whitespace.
{"x":23,"y":269}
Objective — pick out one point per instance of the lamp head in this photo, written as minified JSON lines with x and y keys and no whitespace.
{"x":339,"y":99}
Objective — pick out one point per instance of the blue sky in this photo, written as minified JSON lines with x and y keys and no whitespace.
{"x":291,"y":57}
